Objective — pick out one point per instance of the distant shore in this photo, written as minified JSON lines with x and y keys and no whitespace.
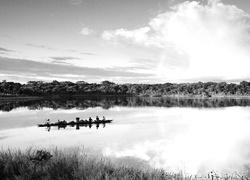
{"x":30,"y":98}
{"x":107,"y":88}
{"x":26,"y":98}
{"x":19,"y":98}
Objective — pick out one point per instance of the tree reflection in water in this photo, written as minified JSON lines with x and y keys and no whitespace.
{"x":107,"y":102}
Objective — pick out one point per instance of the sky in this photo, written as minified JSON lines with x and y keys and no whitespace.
{"x":132,"y":41}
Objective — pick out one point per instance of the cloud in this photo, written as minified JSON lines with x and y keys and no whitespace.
{"x":5,"y":50}
{"x":54,"y":49}
{"x":137,"y":36}
{"x":41,"y":46}
{"x":214,"y":38}
{"x":83,"y":53}
{"x":63,"y":58}
{"x":4,"y":137}
{"x":28,"y":70}
{"x":87,"y":31}
{"x":6,"y":36}
{"x":76,"y":2}
{"x":86,"y":53}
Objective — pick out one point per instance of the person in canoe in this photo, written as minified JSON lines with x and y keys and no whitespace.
{"x":90,"y":119}
{"x":48,"y":121}
{"x":103,"y":118}
{"x":97,"y":118}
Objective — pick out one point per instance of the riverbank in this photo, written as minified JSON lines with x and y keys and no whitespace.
{"x":19,"y":98}
{"x":30,"y":98}
{"x":58,"y":164}
{"x":75,"y":164}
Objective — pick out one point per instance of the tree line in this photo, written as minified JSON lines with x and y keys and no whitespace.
{"x":200,"y":89}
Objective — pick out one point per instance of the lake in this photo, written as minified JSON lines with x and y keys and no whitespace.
{"x":193,"y":135}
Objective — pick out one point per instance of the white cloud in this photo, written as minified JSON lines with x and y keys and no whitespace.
{"x":137,"y":36}
{"x":87,"y":31}
{"x":214,"y":37}
{"x":76,"y":2}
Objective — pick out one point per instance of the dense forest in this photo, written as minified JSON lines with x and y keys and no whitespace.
{"x":200,"y":89}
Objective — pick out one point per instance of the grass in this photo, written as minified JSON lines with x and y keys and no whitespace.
{"x":75,"y":164}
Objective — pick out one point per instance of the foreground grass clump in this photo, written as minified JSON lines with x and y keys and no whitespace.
{"x":74,"y":164}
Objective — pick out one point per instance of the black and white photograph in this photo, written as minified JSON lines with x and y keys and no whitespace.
{"x":124,"y":89}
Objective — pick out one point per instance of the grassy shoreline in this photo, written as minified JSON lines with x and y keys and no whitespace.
{"x":76,"y":164}
{"x":58,"y":164}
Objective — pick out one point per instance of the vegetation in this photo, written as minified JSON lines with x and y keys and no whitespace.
{"x":75,"y":164}
{"x":56,"y":164}
{"x":200,"y":89}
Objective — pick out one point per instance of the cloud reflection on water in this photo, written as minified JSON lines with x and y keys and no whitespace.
{"x":211,"y":141}
{"x":176,"y":138}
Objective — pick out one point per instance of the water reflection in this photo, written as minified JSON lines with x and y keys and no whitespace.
{"x":107,"y":102}
{"x":196,"y":140}
{"x":62,"y":124}
{"x":77,"y":126}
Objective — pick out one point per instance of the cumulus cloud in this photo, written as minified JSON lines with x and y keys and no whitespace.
{"x":214,"y":38}
{"x":87,"y":31}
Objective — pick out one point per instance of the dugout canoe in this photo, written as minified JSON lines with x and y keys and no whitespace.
{"x":64,"y":123}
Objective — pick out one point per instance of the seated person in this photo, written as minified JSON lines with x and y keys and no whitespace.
{"x":90,"y":119}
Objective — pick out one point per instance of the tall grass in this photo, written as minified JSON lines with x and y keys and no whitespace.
{"x":57,"y":164}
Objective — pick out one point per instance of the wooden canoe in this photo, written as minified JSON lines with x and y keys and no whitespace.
{"x":64,"y":123}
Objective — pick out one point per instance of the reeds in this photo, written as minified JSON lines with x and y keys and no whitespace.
{"x":74,"y":164}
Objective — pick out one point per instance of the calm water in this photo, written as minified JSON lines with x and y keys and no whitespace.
{"x":193,"y":135}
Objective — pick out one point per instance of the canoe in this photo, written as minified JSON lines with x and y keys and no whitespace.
{"x":62,"y":123}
